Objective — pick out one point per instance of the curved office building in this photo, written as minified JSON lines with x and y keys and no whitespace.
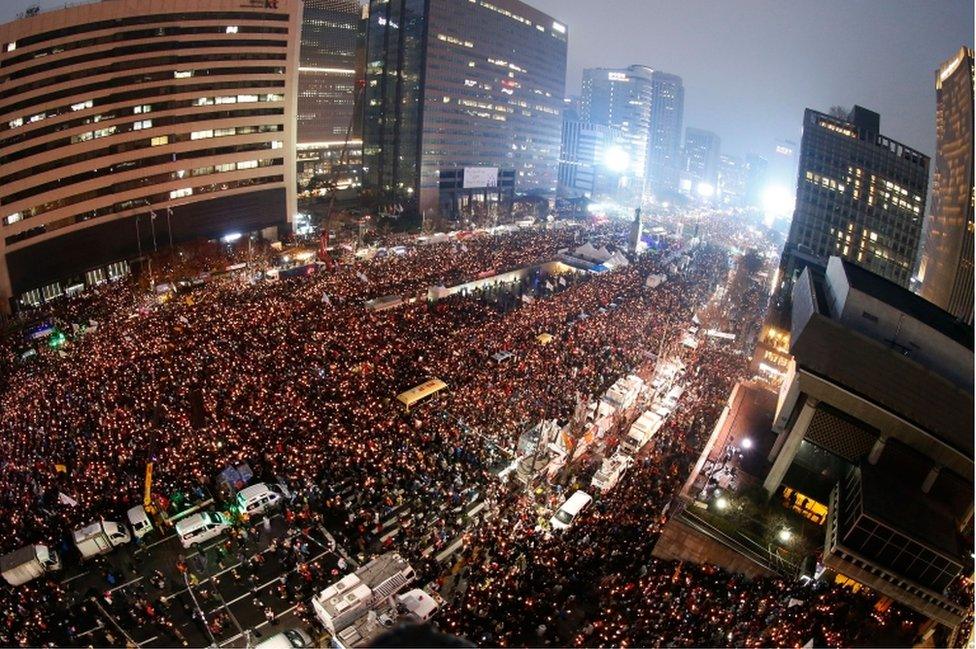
{"x":126,"y":125}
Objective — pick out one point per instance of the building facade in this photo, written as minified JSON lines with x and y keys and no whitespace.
{"x":874,"y":422}
{"x":860,"y":196}
{"x":620,"y":99}
{"x":664,"y":138}
{"x":947,"y":265}
{"x":329,"y":81}
{"x":127,"y":125}
{"x":701,"y":158}
{"x":460,"y":84}
{"x":582,"y":157}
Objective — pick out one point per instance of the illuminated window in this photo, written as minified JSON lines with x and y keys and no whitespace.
{"x":246,"y":98}
{"x":183,"y":74}
{"x":227,"y":166}
{"x":145,"y":108}
{"x":160,"y":140}
{"x":180,"y":193}
{"x":204,"y":101}
{"x":201,"y":135}
{"x":14,"y":123}
{"x":247,"y":164}
{"x":82,"y":105}
{"x":145,"y":123}
{"x":11,"y":46}
{"x":36,"y":118}
{"x":277,"y":144}
{"x":222,"y":132}
{"x":226,"y":100}
{"x":12,"y":218}
{"x":231,"y":29}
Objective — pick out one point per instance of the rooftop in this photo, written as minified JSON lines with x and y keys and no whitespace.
{"x":909,"y":303}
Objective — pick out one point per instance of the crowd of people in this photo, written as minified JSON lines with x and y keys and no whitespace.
{"x":299,"y":380}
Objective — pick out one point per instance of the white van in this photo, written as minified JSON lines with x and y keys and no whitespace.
{"x":287,"y":639}
{"x":139,"y":521}
{"x":566,"y":514}
{"x":257,"y":499}
{"x":201,"y":527}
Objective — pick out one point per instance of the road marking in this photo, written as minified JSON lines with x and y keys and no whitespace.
{"x":269,"y":583}
{"x":258,"y":626}
{"x":128,"y":583}
{"x":78,"y":576}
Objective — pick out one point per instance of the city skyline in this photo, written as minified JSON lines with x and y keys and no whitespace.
{"x":917,"y":41}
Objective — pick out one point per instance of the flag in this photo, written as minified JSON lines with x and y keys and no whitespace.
{"x":794,"y":602}
{"x":464,"y":248}
{"x":325,"y":298}
{"x":363,"y":277}
{"x":528,"y":299}
{"x":562,"y":281}
{"x":60,"y":468}
{"x":66,"y":500}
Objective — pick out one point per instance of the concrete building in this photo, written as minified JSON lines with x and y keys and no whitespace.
{"x":127,"y":125}
{"x":860,"y":196}
{"x":733,"y":174}
{"x":947,"y":266}
{"x":329,"y":80}
{"x":452,"y":84}
{"x":874,"y":422}
{"x":701,"y":159}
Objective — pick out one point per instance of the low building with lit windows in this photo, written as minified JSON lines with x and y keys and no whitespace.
{"x":129,"y":125}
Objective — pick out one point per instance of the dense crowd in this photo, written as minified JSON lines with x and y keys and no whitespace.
{"x":299,"y":380}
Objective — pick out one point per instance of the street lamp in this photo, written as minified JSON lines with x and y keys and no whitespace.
{"x":747,"y":443}
{"x":721,"y":503}
{"x":785,"y":535}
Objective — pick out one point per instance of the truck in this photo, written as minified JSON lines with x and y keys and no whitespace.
{"x":641,"y":432}
{"x":624,"y":392}
{"x":610,"y":472}
{"x":415,"y":606}
{"x":29,"y":562}
{"x":101,"y":537}
{"x":348,"y":599}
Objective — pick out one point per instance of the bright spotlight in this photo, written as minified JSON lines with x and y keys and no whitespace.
{"x":232,"y":237}
{"x":785,"y":535}
{"x":778,"y":201}
{"x":616,"y":159}
{"x":705,"y":190}
{"x":722,"y":503}
{"x":747,"y":443}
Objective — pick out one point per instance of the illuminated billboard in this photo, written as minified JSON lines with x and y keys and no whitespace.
{"x":478,"y":177}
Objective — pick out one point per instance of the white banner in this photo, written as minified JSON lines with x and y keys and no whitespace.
{"x":477,"y":177}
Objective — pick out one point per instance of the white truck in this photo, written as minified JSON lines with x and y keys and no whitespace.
{"x":610,"y":472}
{"x":101,"y":537}
{"x":359,"y":592}
{"x":29,"y":562}
{"x":414,"y":606}
{"x":624,"y":392}
{"x":641,"y":432}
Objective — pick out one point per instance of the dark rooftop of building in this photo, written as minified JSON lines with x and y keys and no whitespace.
{"x":894,"y":382}
{"x":909,"y":303}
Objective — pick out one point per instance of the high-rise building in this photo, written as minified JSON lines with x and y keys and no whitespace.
{"x":128,"y":125}
{"x":620,"y":99}
{"x":947,"y":265}
{"x":874,"y":427}
{"x":328,"y":83}
{"x":701,"y":156}
{"x":860,"y":196}
{"x":664,"y":136}
{"x":732,"y":179}
{"x":583,"y":170}
{"x":456,"y":85}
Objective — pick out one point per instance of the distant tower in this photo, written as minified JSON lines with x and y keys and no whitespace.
{"x":636,"y":229}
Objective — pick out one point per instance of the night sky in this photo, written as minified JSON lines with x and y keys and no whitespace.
{"x":750,"y":67}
